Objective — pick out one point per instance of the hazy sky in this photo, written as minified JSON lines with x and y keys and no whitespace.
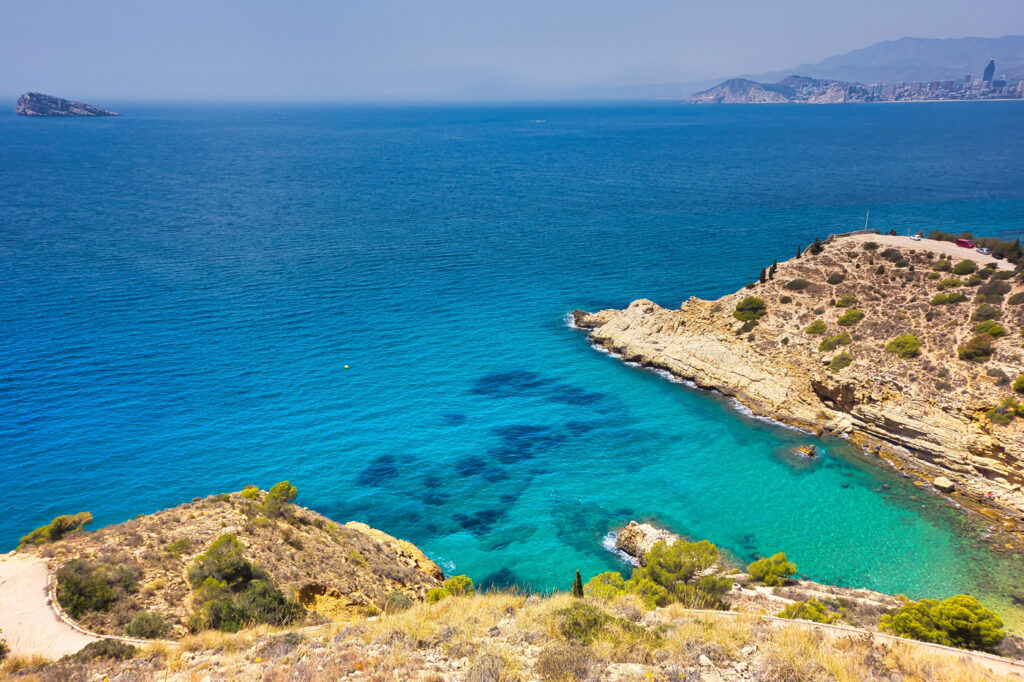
{"x":341,"y":49}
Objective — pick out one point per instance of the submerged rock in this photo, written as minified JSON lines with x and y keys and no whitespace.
{"x":37,"y":104}
{"x":636,"y":539}
{"x":808,"y":451}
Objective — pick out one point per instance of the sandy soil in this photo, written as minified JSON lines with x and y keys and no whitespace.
{"x":27,"y":622}
{"x":948,"y":248}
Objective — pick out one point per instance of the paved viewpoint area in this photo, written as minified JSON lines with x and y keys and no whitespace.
{"x":27,"y":622}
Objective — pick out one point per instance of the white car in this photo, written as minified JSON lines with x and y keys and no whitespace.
{"x":915,"y":237}
{"x":983,"y":251}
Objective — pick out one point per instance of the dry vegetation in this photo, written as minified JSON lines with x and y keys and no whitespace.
{"x":488,"y":638}
{"x":337,"y":570}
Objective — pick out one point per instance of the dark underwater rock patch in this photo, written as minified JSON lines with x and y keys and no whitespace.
{"x":532,"y":384}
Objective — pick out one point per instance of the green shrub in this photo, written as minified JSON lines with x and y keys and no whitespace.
{"x":581,"y":622}
{"x":891,"y":255}
{"x":830,"y":343}
{"x":943,"y":385}
{"x":1018,"y":384}
{"x":146,"y":625}
{"x":905,"y":346}
{"x":251,"y":493}
{"x":179,"y":547}
{"x":964,"y":267}
{"x":786,"y":299}
{"x":950,"y":283}
{"x":277,"y":497}
{"x":959,"y":621}
{"x":839,"y":362}
{"x":797,"y":284}
{"x":986,"y":311}
{"x":846,"y":301}
{"x":952,"y":297}
{"x":4,"y":649}
{"x":671,"y":575}
{"x":395,"y":602}
{"x":772,"y":571}
{"x":974,"y":280}
{"x":933,"y":275}
{"x":977,"y":349}
{"x":870,"y":246}
{"x":1016,"y":299}
{"x":356,"y":558}
{"x":851,"y":317}
{"x":942,"y":265}
{"x":990,"y":327}
{"x":56,"y":529}
{"x":750,"y":308}
{"x":1004,"y":413}
{"x":880,"y":270}
{"x":607,"y":585}
{"x":811,"y":609}
{"x":454,"y":586}
{"x":105,"y":649}
{"x":83,"y":587}
{"x":836,"y":278}
{"x":224,"y":562}
{"x":816,"y":327}
{"x":748,"y":326}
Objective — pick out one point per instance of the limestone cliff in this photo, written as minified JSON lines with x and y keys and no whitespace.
{"x":37,"y":104}
{"x":926,"y":413}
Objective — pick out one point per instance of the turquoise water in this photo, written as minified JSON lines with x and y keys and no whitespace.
{"x":183,"y":288}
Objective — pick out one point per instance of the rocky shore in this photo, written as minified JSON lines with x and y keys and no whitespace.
{"x":929,"y":414}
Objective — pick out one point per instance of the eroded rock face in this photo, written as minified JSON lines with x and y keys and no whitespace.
{"x":37,"y":104}
{"x":636,"y":539}
{"x":890,"y":406}
{"x":406,"y":552}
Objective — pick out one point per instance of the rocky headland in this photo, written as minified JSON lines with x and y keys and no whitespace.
{"x":888,"y":342}
{"x":37,"y":104}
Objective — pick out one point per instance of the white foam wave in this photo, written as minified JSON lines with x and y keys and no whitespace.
{"x":608,"y":542}
{"x":747,"y":412}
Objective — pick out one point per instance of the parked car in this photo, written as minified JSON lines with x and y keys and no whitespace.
{"x":984,"y":252}
{"x":999,"y":255}
{"x":966,"y":243}
{"x":915,"y":237}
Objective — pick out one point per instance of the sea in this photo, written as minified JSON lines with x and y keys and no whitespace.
{"x":371,"y":302}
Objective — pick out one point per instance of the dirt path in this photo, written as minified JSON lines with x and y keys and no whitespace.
{"x":28,"y":623}
{"x":945,"y":248}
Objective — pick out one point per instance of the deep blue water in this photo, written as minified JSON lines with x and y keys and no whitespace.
{"x":182,"y":288}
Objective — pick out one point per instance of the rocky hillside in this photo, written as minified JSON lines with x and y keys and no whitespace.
{"x":889,"y":342}
{"x":37,"y":104}
{"x":790,"y":89}
{"x":146,"y":565}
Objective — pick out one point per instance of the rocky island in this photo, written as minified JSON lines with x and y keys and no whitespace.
{"x":37,"y":104}
{"x":909,"y":349}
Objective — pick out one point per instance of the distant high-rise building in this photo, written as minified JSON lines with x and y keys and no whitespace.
{"x":990,"y":71}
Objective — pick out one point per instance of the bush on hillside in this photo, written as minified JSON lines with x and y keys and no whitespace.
{"x":59,"y":528}
{"x":977,"y":349}
{"x":839,"y":362}
{"x":83,"y":587}
{"x":1018,"y":384}
{"x":986,"y":311}
{"x":797,"y":284}
{"x":905,"y":346}
{"x":851,"y":317}
{"x":942,"y":265}
{"x":4,"y":648}
{"x":959,"y":621}
{"x":846,"y":301}
{"x":892,"y":255}
{"x":830,"y":343}
{"x":950,"y":283}
{"x":675,"y":569}
{"x":811,"y":609}
{"x":395,"y":602}
{"x":836,"y":278}
{"x":965,"y":267}
{"x":146,"y":625}
{"x":772,"y":571}
{"x":105,"y":650}
{"x":278,"y":497}
{"x":750,"y":308}
{"x":607,"y":585}
{"x":785,"y":299}
{"x":944,"y":299}
{"x":870,"y":246}
{"x":990,"y":327}
{"x":816,"y":327}
{"x":452,"y":587}
{"x":1016,"y":299}
{"x":1005,"y":412}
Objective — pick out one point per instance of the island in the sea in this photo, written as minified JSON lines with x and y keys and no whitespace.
{"x":908,"y":348}
{"x":827,"y":91}
{"x":37,"y":104}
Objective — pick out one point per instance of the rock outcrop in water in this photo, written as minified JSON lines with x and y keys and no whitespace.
{"x":930,"y":414}
{"x":636,"y":539}
{"x":37,"y":104}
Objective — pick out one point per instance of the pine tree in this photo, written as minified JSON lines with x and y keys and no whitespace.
{"x":764,"y":276}
{"x":772,"y":269}
{"x":577,"y":585}
{"x":798,"y":251}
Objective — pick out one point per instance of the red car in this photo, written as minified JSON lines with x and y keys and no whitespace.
{"x":966,"y":243}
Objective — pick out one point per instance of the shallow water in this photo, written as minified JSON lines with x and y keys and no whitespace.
{"x":183,"y":288}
